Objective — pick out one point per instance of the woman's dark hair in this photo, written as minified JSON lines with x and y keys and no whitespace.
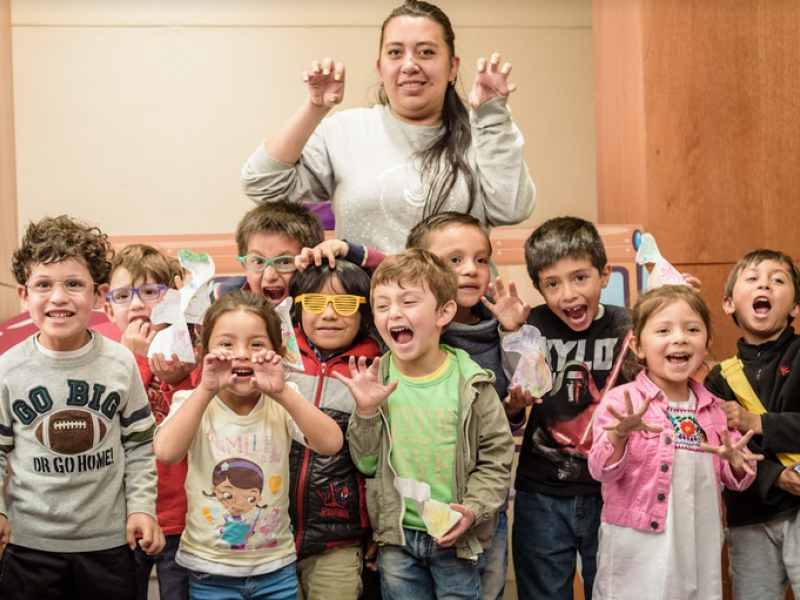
{"x":446,"y":158}
{"x":350,"y":278}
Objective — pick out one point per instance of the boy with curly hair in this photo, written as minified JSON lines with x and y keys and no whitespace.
{"x":75,"y":428}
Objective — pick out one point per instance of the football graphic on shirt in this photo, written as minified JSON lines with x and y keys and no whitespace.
{"x":71,"y":431}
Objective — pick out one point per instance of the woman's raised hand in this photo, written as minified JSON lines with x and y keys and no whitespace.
{"x":325,"y":82}
{"x":491,"y":81}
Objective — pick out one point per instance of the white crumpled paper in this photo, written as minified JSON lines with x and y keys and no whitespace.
{"x":662,"y":272}
{"x":181,"y":307}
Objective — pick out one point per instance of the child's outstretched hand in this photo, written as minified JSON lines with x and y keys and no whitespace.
{"x":152,"y":540}
{"x":459,"y":528}
{"x":328,"y":250}
{"x":5,"y":530}
{"x":734,"y":453}
{"x":268,"y":376}
{"x":363,"y":384}
{"x":619,"y":429}
{"x":491,"y":81}
{"x":325,"y":83}
{"x":508,"y":308}
{"x":170,"y":372}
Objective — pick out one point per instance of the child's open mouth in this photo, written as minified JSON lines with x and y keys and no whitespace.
{"x":576,"y":313}
{"x":678,"y":359}
{"x":243,"y":373}
{"x":762,"y":306}
{"x":274,"y":294}
{"x":401,"y":335}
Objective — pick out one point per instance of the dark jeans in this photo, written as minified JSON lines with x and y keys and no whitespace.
{"x":173,"y":579}
{"x":548,"y":533}
{"x":27,"y":574}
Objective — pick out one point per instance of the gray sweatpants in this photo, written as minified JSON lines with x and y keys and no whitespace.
{"x":765,"y":558}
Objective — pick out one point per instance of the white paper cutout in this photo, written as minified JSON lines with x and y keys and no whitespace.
{"x":662,"y":272}
{"x":291,"y":357}
{"x":439,"y":518}
{"x":180,"y":307}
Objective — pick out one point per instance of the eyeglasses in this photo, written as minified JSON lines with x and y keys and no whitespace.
{"x":74,"y":286}
{"x":257,"y":263}
{"x":149,"y":292}
{"x":345,"y":305}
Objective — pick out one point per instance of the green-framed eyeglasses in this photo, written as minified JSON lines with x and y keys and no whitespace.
{"x":258,"y":263}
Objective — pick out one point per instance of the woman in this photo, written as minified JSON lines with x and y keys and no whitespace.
{"x":418,"y":152}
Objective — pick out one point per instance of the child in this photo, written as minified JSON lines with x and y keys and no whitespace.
{"x":236,"y":428}
{"x":140,"y":278}
{"x":75,"y":430}
{"x":558,"y":503}
{"x":327,"y":507}
{"x":428,"y":413}
{"x":269,"y":237}
{"x":763,"y":296}
{"x":661,"y":535}
{"x":463,"y":244}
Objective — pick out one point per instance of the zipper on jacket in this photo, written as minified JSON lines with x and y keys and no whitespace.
{"x":301,"y":482}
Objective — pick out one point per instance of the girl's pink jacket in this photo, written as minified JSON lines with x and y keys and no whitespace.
{"x":636,"y":489}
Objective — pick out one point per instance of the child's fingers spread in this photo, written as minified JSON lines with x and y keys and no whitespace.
{"x":614,"y":412}
{"x":629,"y":403}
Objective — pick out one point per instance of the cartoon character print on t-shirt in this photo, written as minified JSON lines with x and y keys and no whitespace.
{"x":564,"y":435}
{"x":238,"y":484}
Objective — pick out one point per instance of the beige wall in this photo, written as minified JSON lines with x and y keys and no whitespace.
{"x":138,"y":115}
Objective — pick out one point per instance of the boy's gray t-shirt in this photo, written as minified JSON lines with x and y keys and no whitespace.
{"x":77,"y":435}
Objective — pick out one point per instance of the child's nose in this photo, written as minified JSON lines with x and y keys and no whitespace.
{"x":568,"y":291}
{"x":329,"y":312}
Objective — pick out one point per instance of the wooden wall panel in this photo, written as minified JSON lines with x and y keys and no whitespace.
{"x":721,"y":91}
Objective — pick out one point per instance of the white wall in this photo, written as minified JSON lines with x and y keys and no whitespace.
{"x":137,"y":116}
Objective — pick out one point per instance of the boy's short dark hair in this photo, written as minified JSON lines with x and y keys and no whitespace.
{"x":352,"y":279}
{"x":755,"y":258}
{"x":292,"y":219}
{"x":417,"y":265}
{"x":56,"y":239}
{"x":143,"y":261}
{"x":421,"y":233}
{"x":560,"y":238}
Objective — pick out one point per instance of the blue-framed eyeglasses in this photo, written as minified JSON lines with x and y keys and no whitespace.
{"x":149,"y":292}
{"x":258,"y":263}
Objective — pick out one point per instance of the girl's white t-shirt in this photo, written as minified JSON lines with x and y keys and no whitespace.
{"x":237,"y":487}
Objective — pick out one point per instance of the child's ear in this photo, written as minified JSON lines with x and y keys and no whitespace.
{"x":633,"y":344}
{"x":729,"y":307}
{"x":605,"y":275}
{"x":109,"y":311}
{"x":100,"y":295}
{"x":22,"y":292}
{"x":445,"y":313}
{"x":795,"y":310}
